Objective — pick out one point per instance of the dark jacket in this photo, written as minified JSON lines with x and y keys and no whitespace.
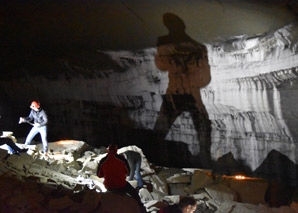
{"x":132,"y":156}
{"x":38,"y":117}
{"x":171,"y":209}
{"x":113,"y":168}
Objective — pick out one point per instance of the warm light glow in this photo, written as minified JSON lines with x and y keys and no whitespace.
{"x":242,"y":177}
{"x":239,"y":177}
{"x":66,"y":142}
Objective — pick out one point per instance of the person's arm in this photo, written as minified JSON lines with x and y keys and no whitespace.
{"x":44,"y":118}
{"x":29,"y":118}
{"x":127,"y":166}
{"x":100,"y":172}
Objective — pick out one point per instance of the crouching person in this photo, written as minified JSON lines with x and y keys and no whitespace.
{"x":114,"y":168}
{"x":12,"y":147}
{"x":134,"y":160}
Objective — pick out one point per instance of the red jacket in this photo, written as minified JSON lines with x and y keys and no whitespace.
{"x":113,"y":168}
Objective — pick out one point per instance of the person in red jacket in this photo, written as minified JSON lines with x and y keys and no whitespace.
{"x":114,"y":169}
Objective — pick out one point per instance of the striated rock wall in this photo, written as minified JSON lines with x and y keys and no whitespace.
{"x":116,"y":96}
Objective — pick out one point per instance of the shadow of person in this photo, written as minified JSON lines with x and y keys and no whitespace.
{"x":282,"y":176}
{"x":186,"y":62}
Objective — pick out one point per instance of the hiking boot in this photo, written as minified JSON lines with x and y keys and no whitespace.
{"x":15,"y":153}
{"x":23,"y":151}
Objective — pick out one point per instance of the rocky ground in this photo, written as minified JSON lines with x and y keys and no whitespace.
{"x":66,"y":181}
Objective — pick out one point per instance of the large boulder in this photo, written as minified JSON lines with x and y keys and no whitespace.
{"x":250,"y":191}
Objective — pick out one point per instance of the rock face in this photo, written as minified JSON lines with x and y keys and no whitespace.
{"x":118,"y":96}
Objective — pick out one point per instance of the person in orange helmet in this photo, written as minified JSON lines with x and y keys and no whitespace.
{"x":40,"y":120}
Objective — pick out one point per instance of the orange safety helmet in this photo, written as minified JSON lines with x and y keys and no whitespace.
{"x":35,"y":104}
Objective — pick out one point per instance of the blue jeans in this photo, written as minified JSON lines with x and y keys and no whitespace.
{"x":138,"y":174}
{"x":42,"y":130}
{"x":135,"y":167}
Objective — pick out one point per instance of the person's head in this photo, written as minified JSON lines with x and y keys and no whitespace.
{"x":187,"y":204}
{"x":173,"y":22}
{"x":112,"y":148}
{"x":35,"y":105}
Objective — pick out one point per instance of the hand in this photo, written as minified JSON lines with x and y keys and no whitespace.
{"x":21,"y":120}
{"x":36,"y":125}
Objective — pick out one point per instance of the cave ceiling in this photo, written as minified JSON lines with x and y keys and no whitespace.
{"x":134,"y":24}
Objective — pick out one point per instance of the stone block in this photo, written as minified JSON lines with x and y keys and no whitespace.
{"x":200,"y":179}
{"x":179,"y":189}
{"x":250,"y":191}
{"x":220,"y":193}
{"x":179,"y":178}
{"x":172,"y":199}
{"x":145,"y":195}
{"x":157,"y":195}
{"x":154,"y":206}
{"x":160,"y":184}
{"x":235,"y":207}
{"x":89,"y":166}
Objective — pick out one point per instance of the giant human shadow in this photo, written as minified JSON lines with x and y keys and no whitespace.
{"x":186,"y":62}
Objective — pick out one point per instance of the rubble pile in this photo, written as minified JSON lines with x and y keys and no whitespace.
{"x":66,"y":180}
